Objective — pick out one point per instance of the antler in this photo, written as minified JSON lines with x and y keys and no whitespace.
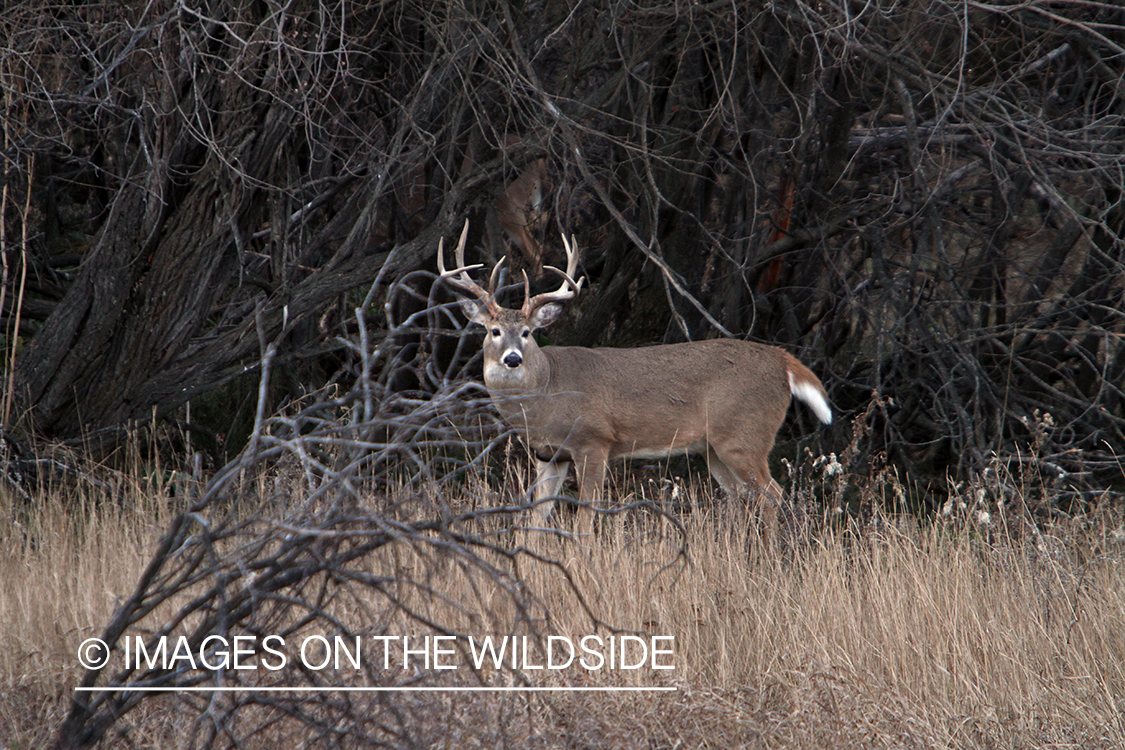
{"x":463,"y":281}
{"x":569,"y":289}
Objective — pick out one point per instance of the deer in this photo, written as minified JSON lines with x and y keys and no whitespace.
{"x":723,"y":398}
{"x":520,"y":209}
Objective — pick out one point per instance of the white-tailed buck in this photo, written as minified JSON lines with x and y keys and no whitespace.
{"x":723,"y":398}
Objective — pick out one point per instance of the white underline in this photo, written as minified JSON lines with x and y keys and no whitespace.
{"x":417,"y":689}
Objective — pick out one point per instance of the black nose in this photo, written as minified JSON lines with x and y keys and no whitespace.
{"x":513,"y":360}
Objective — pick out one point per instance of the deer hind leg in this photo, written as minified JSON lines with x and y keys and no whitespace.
{"x":766,"y":482}
{"x":735,"y":469}
{"x":730,"y":482}
{"x":549,"y":478}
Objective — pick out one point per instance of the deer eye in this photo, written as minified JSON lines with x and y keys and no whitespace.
{"x":496,"y":332}
{"x":526,"y":332}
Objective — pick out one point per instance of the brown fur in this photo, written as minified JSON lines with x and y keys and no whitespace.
{"x":723,"y":398}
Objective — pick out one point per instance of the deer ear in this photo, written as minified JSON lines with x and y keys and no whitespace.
{"x":474,"y":310}
{"x":545,"y":315}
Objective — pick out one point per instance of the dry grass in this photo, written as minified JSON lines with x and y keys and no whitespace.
{"x":898,"y":634}
{"x":65,"y":562}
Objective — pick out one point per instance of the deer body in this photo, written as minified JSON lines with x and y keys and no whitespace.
{"x":519,"y":210}
{"x":723,"y":398}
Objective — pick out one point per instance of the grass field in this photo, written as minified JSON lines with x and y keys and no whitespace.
{"x":969,"y":631}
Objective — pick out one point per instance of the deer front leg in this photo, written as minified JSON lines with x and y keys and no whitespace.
{"x":591,"y":467}
{"x":549,"y":478}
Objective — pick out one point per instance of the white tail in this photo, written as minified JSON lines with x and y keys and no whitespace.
{"x":723,"y":398}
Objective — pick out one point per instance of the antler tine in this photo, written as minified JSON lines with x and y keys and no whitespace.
{"x":459,"y":276}
{"x":495,"y":276}
{"x":571,"y":254}
{"x":569,"y":289}
{"x":571,"y":262}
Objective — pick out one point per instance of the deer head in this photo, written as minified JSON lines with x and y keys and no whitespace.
{"x":510,"y":351}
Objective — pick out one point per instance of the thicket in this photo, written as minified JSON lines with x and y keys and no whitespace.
{"x":923,"y":199}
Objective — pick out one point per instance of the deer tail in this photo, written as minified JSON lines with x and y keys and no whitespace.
{"x":807,"y":387}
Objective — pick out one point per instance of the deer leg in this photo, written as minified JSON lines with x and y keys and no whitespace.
{"x":743,"y":468}
{"x":735,"y":468}
{"x":730,"y":482}
{"x":766,"y":482}
{"x":591,"y":481}
{"x":770,"y":502}
{"x":549,"y":478}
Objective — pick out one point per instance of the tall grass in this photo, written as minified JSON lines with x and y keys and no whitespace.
{"x":896,"y":633}
{"x":66,"y":559}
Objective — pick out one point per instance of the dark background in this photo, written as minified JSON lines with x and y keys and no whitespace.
{"x":922,"y":200}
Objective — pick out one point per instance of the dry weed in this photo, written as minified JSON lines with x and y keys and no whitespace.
{"x":899,"y":634}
